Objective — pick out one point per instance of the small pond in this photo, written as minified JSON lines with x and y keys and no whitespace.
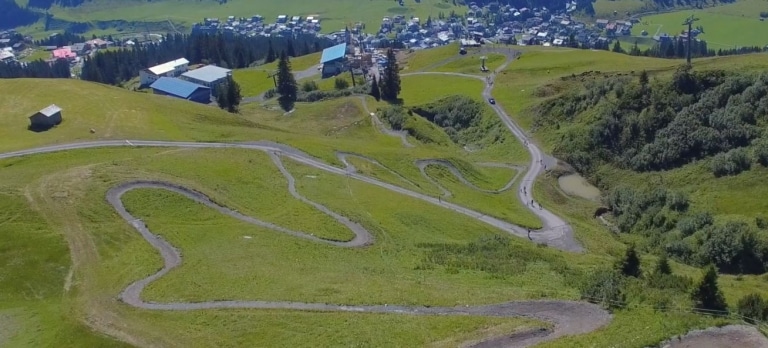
{"x":576,"y":185}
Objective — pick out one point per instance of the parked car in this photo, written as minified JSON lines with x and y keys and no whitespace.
{"x":492,"y":101}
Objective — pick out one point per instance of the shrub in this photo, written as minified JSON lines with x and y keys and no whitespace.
{"x":754,"y":307}
{"x":731,"y":163}
{"x":760,"y":151}
{"x":604,"y":287}
{"x":340,"y":83}
{"x":309,"y":86}
{"x":270,"y":93}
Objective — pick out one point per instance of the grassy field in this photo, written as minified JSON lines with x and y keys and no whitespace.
{"x":255,"y":81}
{"x":334,"y":15}
{"x":725,"y":26}
{"x":55,"y":202}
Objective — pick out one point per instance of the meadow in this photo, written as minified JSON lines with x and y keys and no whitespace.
{"x":725,"y":26}
{"x":53,"y":208}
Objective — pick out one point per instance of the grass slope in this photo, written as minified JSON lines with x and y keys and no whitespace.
{"x":67,"y":189}
{"x":725,"y":26}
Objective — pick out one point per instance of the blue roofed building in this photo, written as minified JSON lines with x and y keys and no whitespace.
{"x":178,"y":88}
{"x":334,"y":60}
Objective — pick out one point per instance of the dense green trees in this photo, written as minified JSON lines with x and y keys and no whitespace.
{"x":114,"y":67}
{"x":664,"y":124}
{"x":36,"y":69}
{"x":286,"y":83}
{"x":390,"y":80}
{"x":12,"y":15}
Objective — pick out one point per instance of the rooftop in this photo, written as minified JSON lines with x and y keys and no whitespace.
{"x":167,"y":67}
{"x":176,"y":86}
{"x":50,"y":110}
{"x":333,"y":53}
{"x":208,"y":73}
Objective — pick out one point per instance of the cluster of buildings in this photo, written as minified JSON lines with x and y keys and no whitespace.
{"x":11,"y":44}
{"x":75,"y":52}
{"x":284,"y":25}
{"x":176,"y":79}
{"x":502,"y":23}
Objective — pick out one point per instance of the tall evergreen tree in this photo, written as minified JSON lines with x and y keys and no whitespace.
{"x":221,"y":98}
{"x":375,"y":91}
{"x":270,"y":53}
{"x":662,"y":266}
{"x":707,"y":294}
{"x":286,"y":83}
{"x":630,"y":265}
{"x":233,"y":95}
{"x":390,"y":82}
{"x":291,"y":50}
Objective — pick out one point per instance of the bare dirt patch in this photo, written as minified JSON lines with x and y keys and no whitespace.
{"x":720,"y":337}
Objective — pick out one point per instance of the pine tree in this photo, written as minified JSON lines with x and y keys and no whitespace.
{"x":221,"y":98}
{"x":291,"y":50}
{"x":286,"y":83}
{"x":662,"y":266}
{"x":270,"y":53}
{"x":630,"y":265}
{"x":233,"y":95}
{"x":707,"y":294}
{"x":643,"y":78}
{"x":390,"y":83}
{"x":375,"y":91}
{"x":617,"y":47}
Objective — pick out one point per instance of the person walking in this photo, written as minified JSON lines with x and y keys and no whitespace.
{"x":529,"y":234}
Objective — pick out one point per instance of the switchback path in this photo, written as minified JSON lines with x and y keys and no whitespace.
{"x":568,"y":317}
{"x":559,"y":234}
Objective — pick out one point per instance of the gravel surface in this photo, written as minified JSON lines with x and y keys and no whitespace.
{"x":568,"y":317}
{"x":740,"y":336}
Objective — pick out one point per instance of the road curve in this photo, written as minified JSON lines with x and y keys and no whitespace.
{"x":559,"y":233}
{"x":546,"y":236}
{"x":568,"y":317}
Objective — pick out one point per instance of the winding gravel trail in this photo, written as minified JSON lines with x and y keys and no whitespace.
{"x":568,"y":317}
{"x":423,"y":164}
{"x":555,"y":232}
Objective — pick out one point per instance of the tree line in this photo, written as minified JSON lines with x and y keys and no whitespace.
{"x":12,"y":15}
{"x":36,"y":69}
{"x":118,"y":66}
{"x":677,"y":47}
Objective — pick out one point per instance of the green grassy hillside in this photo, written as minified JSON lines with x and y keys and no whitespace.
{"x":423,"y":254}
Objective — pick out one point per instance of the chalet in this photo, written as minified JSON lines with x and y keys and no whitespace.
{"x":601,"y":23}
{"x":45,"y":118}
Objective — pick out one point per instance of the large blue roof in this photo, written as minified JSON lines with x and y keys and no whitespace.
{"x":333,"y":53}
{"x":175,"y":86}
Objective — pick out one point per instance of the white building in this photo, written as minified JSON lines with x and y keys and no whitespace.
{"x":173,"y":68}
{"x":209,"y":76}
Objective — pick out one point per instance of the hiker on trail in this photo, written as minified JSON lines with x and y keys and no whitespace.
{"x":529,"y":234}
{"x":532,"y":204}
{"x":524,"y":191}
